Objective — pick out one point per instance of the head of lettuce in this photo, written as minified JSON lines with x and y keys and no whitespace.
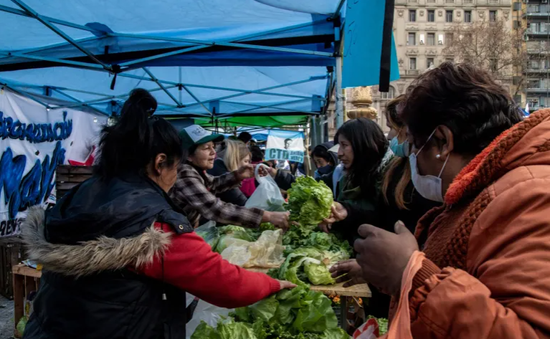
{"x":309,"y":202}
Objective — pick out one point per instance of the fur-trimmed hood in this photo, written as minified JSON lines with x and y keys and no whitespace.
{"x":93,"y":256}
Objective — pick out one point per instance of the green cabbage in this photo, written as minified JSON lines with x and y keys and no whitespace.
{"x":299,"y":314}
{"x":211,"y":235}
{"x":309,"y":202}
{"x":318,"y":274}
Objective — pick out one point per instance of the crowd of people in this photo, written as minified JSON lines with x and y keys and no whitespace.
{"x":461,"y":176}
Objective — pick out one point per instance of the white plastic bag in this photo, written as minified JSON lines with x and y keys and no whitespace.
{"x":266,"y":252}
{"x":267,"y":195}
{"x":206,"y":312}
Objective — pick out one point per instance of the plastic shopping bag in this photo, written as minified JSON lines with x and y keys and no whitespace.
{"x":204,"y":312}
{"x":400,"y":327}
{"x":266,"y":252}
{"x":267,"y":195}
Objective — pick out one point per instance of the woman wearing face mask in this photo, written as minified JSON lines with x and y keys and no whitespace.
{"x":398,"y":201}
{"x":234,"y":156}
{"x":118,"y":256}
{"x":486,"y":272}
{"x":363,"y":150}
{"x":195,"y":191}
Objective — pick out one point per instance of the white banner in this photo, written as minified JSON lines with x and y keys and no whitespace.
{"x":285,"y":145}
{"x":33,"y":141}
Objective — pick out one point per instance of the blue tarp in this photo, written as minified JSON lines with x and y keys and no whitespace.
{"x":200,"y":58}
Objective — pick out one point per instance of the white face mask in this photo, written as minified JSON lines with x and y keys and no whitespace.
{"x":428,"y":186}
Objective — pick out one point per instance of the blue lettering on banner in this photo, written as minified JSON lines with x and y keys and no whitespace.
{"x":281,"y":154}
{"x":23,"y":191}
{"x":35,"y":133}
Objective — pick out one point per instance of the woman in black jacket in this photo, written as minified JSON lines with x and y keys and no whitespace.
{"x":398,"y":201}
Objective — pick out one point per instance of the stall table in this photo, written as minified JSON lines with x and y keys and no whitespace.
{"x":25,"y":280}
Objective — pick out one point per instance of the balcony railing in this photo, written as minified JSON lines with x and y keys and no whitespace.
{"x":538,"y":90}
{"x":537,"y":70}
{"x":412,"y":72}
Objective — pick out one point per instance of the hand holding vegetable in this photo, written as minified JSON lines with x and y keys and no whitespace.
{"x":337,"y":213}
{"x":384,"y":255}
{"x":278,"y":219}
{"x":286,"y":285}
{"x":348,"y":271}
{"x":245,"y":172}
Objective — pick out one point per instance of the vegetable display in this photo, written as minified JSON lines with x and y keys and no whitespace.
{"x":291,"y":314}
{"x":309,"y":202}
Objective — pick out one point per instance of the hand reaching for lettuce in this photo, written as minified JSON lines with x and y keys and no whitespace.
{"x":337,"y":213}
{"x":286,"y":285}
{"x":348,"y":271}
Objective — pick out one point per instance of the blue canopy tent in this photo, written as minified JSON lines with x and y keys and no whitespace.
{"x":236,"y":63}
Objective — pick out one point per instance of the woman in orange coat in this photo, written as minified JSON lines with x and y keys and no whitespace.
{"x":486,"y":272}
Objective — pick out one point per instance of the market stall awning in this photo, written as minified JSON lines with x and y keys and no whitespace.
{"x":201,"y":58}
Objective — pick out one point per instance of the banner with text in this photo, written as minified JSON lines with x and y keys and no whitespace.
{"x":285,"y":145}
{"x":33,"y":141}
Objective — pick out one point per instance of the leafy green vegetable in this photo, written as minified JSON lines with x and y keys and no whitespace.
{"x":318,"y":274}
{"x":299,"y":314}
{"x":382,"y":324}
{"x":231,"y":330}
{"x":309,"y":202}
{"x":235,"y":232}
{"x":211,"y":235}
{"x":205,"y":331}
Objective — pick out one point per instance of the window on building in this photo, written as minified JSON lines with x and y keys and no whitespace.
{"x":412,"y":15}
{"x":449,"y":16}
{"x":534,"y":64}
{"x":388,"y":95}
{"x":431,"y":15}
{"x":411,"y":41}
{"x":412,"y":63}
{"x":492,"y":16}
{"x":449,"y":39}
{"x":430,"y":39}
{"x":467,"y":16}
{"x":430,"y":62}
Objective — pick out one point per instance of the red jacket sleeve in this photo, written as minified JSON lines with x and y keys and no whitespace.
{"x":190,"y":264}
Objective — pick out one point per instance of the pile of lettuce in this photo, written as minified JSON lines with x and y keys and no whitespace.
{"x":308,"y":265}
{"x":298,"y":237}
{"x":291,"y":314}
{"x":309,"y":202}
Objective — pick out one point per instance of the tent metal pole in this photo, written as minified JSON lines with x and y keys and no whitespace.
{"x":77,"y":100}
{"x":50,"y":19}
{"x":197,"y":99}
{"x":340,"y":99}
{"x":261,"y":89}
{"x":61,"y":44}
{"x":337,"y":12}
{"x":24,"y":94}
{"x":275,"y":106}
{"x":79,"y":64}
{"x":59,"y":32}
{"x":221,"y":43}
{"x":162,"y":86}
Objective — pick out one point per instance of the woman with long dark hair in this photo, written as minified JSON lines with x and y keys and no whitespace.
{"x":118,"y":255}
{"x":362,"y":151}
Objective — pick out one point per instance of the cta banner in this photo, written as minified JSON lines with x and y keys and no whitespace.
{"x":33,"y":141}
{"x":285,"y":145}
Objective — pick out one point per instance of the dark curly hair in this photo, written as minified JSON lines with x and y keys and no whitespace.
{"x":464,"y":98}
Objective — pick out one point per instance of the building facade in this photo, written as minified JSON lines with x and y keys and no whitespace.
{"x":421,"y":32}
{"x":534,"y":16}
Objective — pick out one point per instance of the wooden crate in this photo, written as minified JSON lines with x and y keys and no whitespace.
{"x":25,"y":281}
{"x":67,"y":177}
{"x":11,"y":253}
